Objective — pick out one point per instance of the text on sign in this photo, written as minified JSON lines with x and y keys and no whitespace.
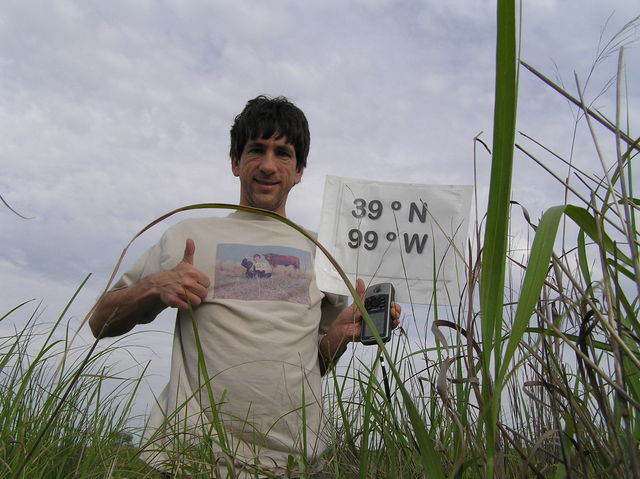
{"x":373,"y":210}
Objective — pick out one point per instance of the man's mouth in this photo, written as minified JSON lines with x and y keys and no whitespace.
{"x":266,"y":183}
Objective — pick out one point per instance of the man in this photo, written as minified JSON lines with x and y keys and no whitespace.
{"x":247,"y":264}
{"x":261,"y":268}
{"x":244,"y":390}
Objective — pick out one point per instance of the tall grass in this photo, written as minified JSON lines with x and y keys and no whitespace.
{"x":63,"y":411}
{"x":536,"y":374}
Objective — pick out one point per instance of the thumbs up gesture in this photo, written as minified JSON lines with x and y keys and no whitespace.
{"x":189,"y":251}
{"x":184,"y":285}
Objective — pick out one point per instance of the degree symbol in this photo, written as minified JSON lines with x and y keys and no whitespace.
{"x":396,"y":205}
{"x":391,"y":236}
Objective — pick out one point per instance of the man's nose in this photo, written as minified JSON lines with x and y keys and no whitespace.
{"x":268,"y":163}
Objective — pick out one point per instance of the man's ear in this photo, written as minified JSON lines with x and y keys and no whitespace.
{"x":235,"y":166}
{"x":298,"y":177}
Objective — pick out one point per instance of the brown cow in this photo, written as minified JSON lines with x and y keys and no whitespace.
{"x":279,"y":259}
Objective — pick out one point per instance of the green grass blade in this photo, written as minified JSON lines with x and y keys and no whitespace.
{"x":587,"y":223}
{"x":582,"y":259}
{"x":534,"y":279}
{"x":496,"y":233}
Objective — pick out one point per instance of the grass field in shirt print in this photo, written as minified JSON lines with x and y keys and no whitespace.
{"x":262,"y":273}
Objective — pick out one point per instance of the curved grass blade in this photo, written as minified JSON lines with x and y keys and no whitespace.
{"x":430,"y":460}
{"x":534,"y":278}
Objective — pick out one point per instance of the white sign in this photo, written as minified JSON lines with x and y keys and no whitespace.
{"x":413,"y":236}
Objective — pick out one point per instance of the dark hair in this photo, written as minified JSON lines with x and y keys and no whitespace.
{"x":263,"y":117}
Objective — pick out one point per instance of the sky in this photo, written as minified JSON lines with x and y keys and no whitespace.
{"x":114,"y":113}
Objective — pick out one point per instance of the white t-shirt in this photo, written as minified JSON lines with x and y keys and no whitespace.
{"x":257,"y":358}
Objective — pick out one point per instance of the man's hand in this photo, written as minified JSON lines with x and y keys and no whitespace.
{"x":184,"y":284}
{"x":118,"y":311}
{"x":348,"y":325}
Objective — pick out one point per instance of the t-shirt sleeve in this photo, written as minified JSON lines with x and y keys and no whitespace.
{"x":147,"y":264}
{"x":331,"y":306}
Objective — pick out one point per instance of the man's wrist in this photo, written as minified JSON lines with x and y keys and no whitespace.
{"x":332,"y":348}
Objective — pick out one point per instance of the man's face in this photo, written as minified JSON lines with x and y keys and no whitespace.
{"x":267,"y":171}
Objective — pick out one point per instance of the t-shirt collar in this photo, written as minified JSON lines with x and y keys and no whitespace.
{"x":246,"y":215}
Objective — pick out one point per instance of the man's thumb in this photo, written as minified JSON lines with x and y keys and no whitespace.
{"x":189,"y":250}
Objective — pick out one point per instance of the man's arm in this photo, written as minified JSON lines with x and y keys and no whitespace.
{"x":118,"y":311}
{"x":341,"y":332}
{"x":346,"y":328}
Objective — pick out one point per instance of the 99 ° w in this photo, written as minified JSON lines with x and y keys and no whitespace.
{"x":373,"y":210}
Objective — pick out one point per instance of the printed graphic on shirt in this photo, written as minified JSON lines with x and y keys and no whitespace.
{"x":262,"y":273}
